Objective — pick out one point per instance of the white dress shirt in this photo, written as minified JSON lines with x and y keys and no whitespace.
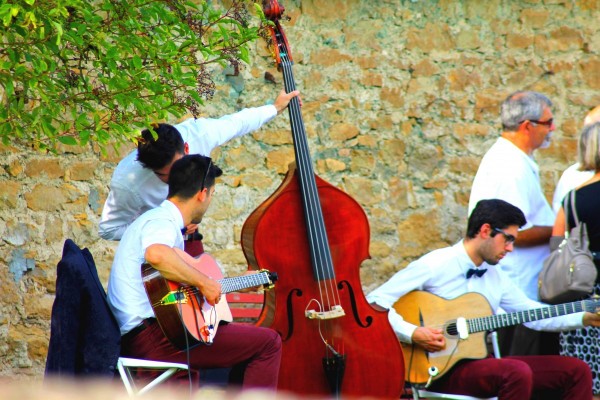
{"x":443,"y":273}
{"x":126,"y":294}
{"x":509,"y":174}
{"x":135,"y":189}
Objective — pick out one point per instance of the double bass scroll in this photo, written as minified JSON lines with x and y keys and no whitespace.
{"x":316,"y":237}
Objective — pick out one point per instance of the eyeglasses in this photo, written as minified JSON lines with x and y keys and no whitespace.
{"x":508,"y":238}
{"x":547,"y":123}
{"x":206,"y":173}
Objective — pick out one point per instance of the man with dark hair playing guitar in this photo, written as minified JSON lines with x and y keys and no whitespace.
{"x":464,"y":276}
{"x":173,"y":294}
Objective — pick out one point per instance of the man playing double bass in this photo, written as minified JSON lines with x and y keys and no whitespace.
{"x":139,"y":183}
{"x":468,"y":266}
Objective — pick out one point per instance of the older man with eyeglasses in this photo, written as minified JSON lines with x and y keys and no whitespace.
{"x":509,"y":172}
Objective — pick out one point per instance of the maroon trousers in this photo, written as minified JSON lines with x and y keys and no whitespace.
{"x":256,"y":349}
{"x":519,"y":378}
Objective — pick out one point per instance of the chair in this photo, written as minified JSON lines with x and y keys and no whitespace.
{"x":245,"y":307}
{"x":125,"y":366}
{"x":419,"y":393}
{"x":85,"y":340}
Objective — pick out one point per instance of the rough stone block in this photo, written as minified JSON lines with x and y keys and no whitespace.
{"x":49,"y":167}
{"x":534,"y":17}
{"x":279,"y":160}
{"x":343,"y":131}
{"x":590,"y":72}
{"x":9,"y":195}
{"x":83,"y":170}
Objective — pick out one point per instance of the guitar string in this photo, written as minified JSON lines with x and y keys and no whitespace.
{"x":232,"y":287}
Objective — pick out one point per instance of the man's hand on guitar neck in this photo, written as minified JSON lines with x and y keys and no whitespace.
{"x":167,"y":261}
{"x":430,"y":339}
{"x":591,"y":319}
{"x":252,"y":288}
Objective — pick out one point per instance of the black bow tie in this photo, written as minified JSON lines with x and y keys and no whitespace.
{"x":476,"y":271}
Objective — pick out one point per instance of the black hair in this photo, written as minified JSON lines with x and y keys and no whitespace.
{"x":498,"y":213}
{"x":158,"y":153}
{"x":190,"y":174}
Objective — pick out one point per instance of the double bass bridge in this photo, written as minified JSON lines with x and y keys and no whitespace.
{"x":334,"y":312}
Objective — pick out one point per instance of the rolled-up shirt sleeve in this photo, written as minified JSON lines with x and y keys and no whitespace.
{"x":404,"y":281}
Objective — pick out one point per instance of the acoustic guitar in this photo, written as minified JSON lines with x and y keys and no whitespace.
{"x":464,"y":322}
{"x":184,"y":316}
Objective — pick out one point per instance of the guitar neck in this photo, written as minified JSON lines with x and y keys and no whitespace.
{"x":243,"y":282}
{"x":519,"y":317}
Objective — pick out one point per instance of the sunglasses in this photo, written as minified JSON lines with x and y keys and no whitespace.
{"x":545,"y":123}
{"x":206,"y":173}
{"x":508,"y":238}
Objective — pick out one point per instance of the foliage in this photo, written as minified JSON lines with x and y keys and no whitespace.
{"x":82,"y":71}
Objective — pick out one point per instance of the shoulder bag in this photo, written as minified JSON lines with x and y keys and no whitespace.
{"x":569,"y":272}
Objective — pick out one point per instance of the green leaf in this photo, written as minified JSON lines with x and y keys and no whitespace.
{"x":137,"y":62}
{"x":69,"y":140}
{"x":59,"y":32}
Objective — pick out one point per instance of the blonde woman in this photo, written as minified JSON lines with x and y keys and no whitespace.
{"x":584,"y":343}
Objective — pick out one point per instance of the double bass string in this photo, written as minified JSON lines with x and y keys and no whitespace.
{"x":322,"y":264}
{"x":319,"y":245}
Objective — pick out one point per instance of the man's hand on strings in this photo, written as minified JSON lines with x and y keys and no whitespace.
{"x":283,"y":99}
{"x":430,"y":339}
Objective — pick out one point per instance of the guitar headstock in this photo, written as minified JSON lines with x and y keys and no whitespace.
{"x":272,"y":276}
{"x":592,"y":304}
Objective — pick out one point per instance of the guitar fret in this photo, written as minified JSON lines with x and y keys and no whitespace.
{"x":242,"y":282}
{"x":518,"y":317}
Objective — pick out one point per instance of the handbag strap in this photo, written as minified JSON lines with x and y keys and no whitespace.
{"x":566,"y":211}
{"x":573,"y":210}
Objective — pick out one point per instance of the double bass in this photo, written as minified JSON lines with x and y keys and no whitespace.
{"x":316,"y":236}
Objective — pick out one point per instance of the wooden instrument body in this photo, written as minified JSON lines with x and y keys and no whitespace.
{"x":474,"y":314}
{"x":275,"y":235}
{"x":184,"y":316}
{"x":426,"y":309}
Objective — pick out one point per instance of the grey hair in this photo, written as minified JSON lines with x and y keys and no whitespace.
{"x":589,"y":150}
{"x":521,"y":106}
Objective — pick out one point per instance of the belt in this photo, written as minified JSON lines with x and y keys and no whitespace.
{"x":134,"y":332}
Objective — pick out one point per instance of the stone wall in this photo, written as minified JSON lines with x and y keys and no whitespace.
{"x":400,"y":101}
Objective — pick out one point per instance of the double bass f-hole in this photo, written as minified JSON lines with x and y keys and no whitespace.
{"x":368,"y":319}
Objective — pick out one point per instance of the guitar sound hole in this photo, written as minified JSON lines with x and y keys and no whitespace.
{"x":451,"y":329}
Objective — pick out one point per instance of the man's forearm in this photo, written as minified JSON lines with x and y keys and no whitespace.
{"x":534,"y":236}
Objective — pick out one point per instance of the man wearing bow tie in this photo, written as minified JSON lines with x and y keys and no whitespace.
{"x":470,"y":266}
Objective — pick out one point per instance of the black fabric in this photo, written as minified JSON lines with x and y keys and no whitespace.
{"x":476,"y":271}
{"x":84,"y":335}
{"x":133,"y":333}
{"x":586,"y":205}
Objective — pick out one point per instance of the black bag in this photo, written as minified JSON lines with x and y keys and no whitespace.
{"x":569,"y":272}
